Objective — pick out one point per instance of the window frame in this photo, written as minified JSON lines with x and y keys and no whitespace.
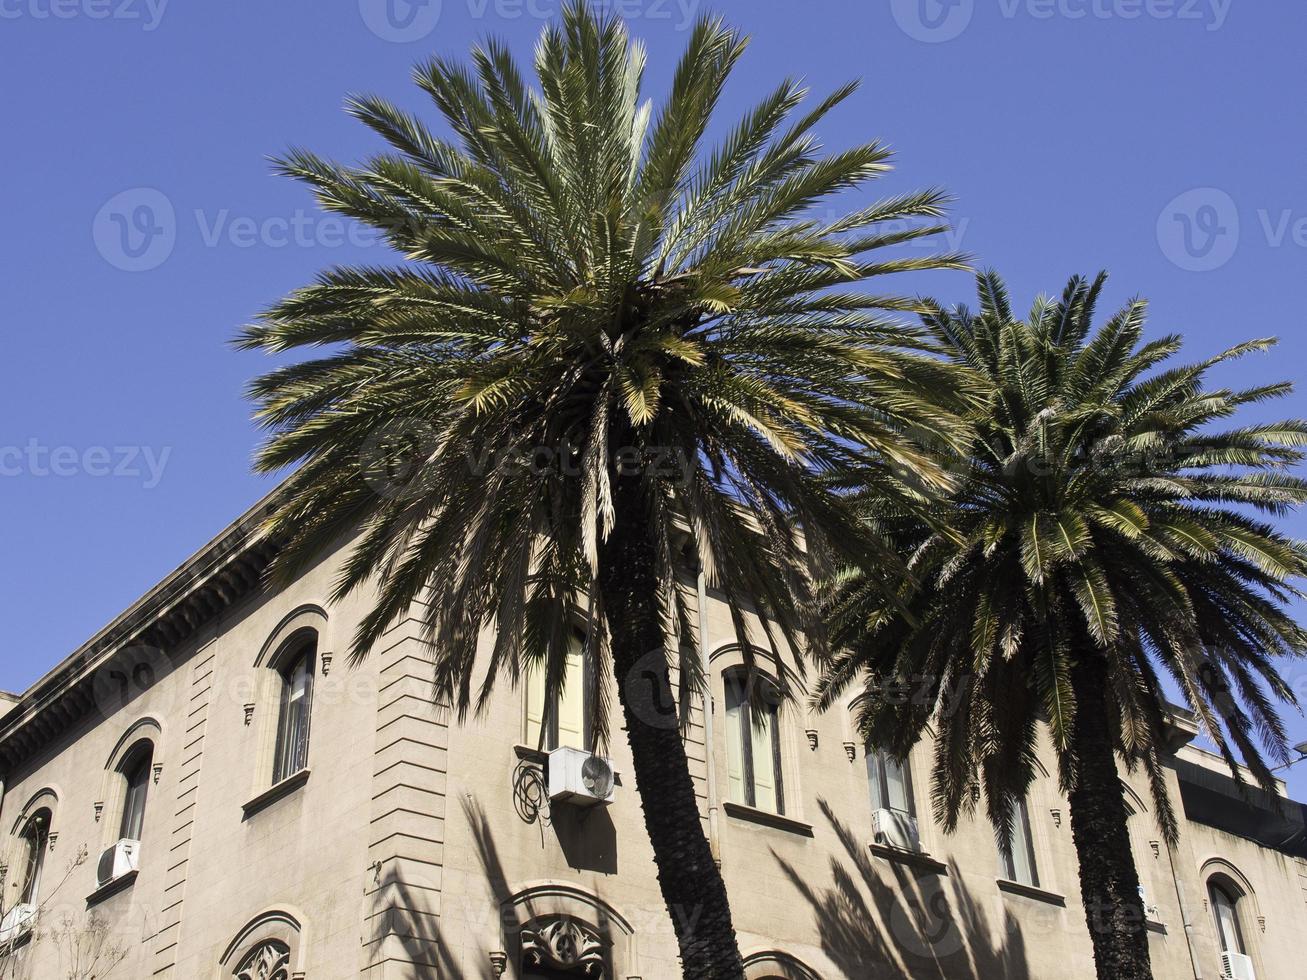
{"x":35,"y":848}
{"x":736,"y":682}
{"x":290,"y":754}
{"x":1007,"y":859}
{"x":137,"y":764}
{"x":1214,"y":889}
{"x":548,"y":737}
{"x":878,"y":763}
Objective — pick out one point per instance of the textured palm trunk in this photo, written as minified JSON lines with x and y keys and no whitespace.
{"x":1109,"y":883}
{"x":691,"y":883}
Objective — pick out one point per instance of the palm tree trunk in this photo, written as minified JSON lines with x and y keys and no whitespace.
{"x":1109,"y":883}
{"x":691,"y":883}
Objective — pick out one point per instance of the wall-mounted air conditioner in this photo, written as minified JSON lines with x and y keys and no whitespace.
{"x":581,"y":778}
{"x":16,"y":921}
{"x":118,"y":860}
{"x":1236,"y":966}
{"x":896,"y":829}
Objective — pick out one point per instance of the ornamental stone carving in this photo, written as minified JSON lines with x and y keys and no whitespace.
{"x":268,"y":961}
{"x":564,"y":943}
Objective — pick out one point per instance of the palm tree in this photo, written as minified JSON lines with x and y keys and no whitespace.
{"x":1106,"y":534}
{"x":603,"y":340}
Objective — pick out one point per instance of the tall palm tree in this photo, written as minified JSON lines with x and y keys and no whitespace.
{"x":603,"y":338}
{"x":1106,"y":533}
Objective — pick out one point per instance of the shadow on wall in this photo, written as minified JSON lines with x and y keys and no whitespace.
{"x":890,"y":919}
{"x":399,"y":924}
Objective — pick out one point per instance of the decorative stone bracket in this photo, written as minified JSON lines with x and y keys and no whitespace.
{"x":99,"y":811}
{"x":249,"y":713}
{"x":812,"y":738}
{"x":851,"y":750}
{"x":325,"y":660}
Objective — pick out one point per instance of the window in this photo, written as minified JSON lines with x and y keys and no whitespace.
{"x":753,"y":746}
{"x":292,"y":752}
{"x":562,"y":715}
{"x":1225,"y":908}
{"x":1018,"y":854}
{"x":36,"y":841}
{"x":891,"y":783}
{"x":136,"y":771}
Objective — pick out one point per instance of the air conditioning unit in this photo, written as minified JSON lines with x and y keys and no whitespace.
{"x":16,"y":922}
{"x":1236,"y":966}
{"x":118,"y":860}
{"x":896,"y":829}
{"x":581,"y":777}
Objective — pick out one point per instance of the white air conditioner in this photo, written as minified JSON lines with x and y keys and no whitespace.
{"x":119,"y":860}
{"x":581,"y":777}
{"x":16,"y":921}
{"x":1236,"y":966}
{"x":896,"y":829}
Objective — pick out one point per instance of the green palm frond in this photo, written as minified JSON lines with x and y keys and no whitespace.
{"x":585,"y":284}
{"x":1101,"y":516}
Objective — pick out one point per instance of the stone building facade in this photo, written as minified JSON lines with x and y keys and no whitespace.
{"x":290,"y":815}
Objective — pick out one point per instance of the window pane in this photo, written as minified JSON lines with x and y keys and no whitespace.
{"x":1227,"y":921}
{"x":138,"y":780}
{"x":293,"y":723}
{"x":35,"y":839}
{"x":763,"y":739}
{"x":736,"y":718}
{"x":1018,"y":856}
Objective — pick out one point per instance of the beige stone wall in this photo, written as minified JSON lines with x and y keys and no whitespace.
{"x":411,"y":850}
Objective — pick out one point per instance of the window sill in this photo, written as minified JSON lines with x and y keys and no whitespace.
{"x":776,"y":821}
{"x":1031,"y":891}
{"x":111,"y":888}
{"x":918,"y":859}
{"x":270,"y":796}
{"x":1154,"y":926}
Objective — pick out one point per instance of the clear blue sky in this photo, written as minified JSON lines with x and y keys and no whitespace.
{"x":1072,"y":132}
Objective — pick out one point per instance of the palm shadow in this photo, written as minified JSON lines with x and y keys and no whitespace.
{"x":402,"y":918}
{"x":895,"y":918}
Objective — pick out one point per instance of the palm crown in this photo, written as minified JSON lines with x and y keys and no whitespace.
{"x":1102,"y":515}
{"x":587,"y":292}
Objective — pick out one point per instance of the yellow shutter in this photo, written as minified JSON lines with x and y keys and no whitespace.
{"x":535,"y":705}
{"x":571,"y":702}
{"x":734,"y":749}
{"x":764,"y":763}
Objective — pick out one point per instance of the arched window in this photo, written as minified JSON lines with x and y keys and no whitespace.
{"x":296,"y":670}
{"x":1018,"y":852}
{"x":136,"y":773}
{"x":753,"y":744}
{"x":35,"y":842}
{"x":1225,"y":909}
{"x":562,"y":715}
